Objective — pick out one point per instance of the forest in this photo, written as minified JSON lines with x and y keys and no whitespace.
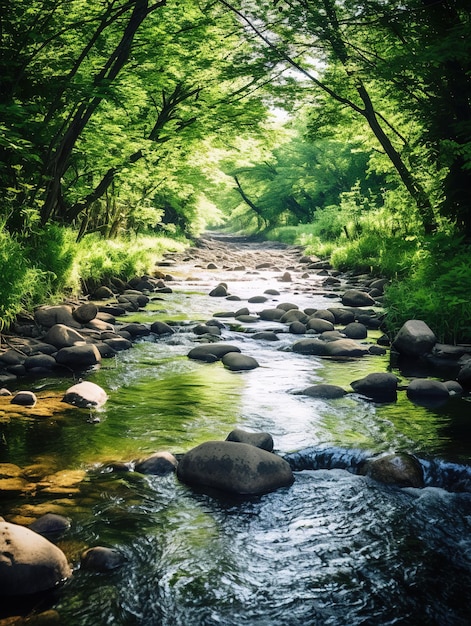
{"x":128,"y":127}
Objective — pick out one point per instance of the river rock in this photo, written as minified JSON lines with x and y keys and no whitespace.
{"x":319,"y":325}
{"x":355,"y":330}
{"x":237,"y":362}
{"x":310,"y":346}
{"x":50,"y":525}
{"x":220,"y":291}
{"x":102,"y":293}
{"x":101,"y":559}
{"x":135,"y":329}
{"x":271,"y":315}
{"x":49,"y":316}
{"x":25,"y":398}
{"x":425,"y":388}
{"x":79,"y":357}
{"x":414,"y":339}
{"x":324,"y":390}
{"x":381,"y":386}
{"x":161,"y":328}
{"x":266,"y":335}
{"x":259,"y":440}
{"x":158,"y":464}
{"x":43,"y":361}
{"x":29,"y":563}
{"x":294,"y":315}
{"x":402,"y":470}
{"x":62,"y":336}
{"x":118,"y":343}
{"x":357,"y":298}
{"x":234,"y":467}
{"x":324,"y":314}
{"x":464,"y":375}
{"x":212,"y":351}
{"x":85,"y":395}
{"x":342,"y":316}
{"x":345,"y":348}
{"x":297,"y":328}
{"x":85,"y":313}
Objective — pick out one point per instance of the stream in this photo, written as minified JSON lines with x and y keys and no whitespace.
{"x":335,"y":548}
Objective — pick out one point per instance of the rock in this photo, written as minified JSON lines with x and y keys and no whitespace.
{"x":44,"y":361}
{"x":85,"y":395}
{"x":345,"y":348}
{"x":216,"y":350}
{"x":294,"y":315}
{"x":272,"y":292}
{"x":235,"y":468}
{"x":79,"y":357}
{"x":323,"y":390}
{"x":237,"y":362}
{"x":62,"y":336}
{"x":380,"y":386}
{"x":25,"y":398}
{"x":424,"y":388}
{"x":402,"y":470}
{"x":85,"y":313}
{"x":464,"y":375}
{"x":310,"y":346}
{"x":266,"y":335}
{"x":101,"y":559}
{"x":414,"y":339}
{"x":287,"y":306}
{"x":49,"y":316}
{"x":102,"y":293}
{"x":161,"y":328}
{"x":271,"y":315}
{"x":50,"y":525}
{"x":29,"y":563}
{"x":355,"y":330}
{"x":257,"y":299}
{"x":357,"y":298}
{"x":118,"y":343}
{"x":286,"y":278}
{"x":158,"y":464}
{"x":259,"y":440}
{"x":319,"y":325}
{"x":297,"y":328}
{"x":203,"y":329}
{"x":136,"y":330}
{"x":343,"y":316}
{"x":454,"y":388}
{"x":324,"y":314}
{"x":220,"y":291}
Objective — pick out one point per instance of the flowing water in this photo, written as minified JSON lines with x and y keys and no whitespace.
{"x":334,"y":548}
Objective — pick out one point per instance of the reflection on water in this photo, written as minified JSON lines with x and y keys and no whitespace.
{"x":334,"y":548}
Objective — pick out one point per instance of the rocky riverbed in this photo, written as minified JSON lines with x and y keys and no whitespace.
{"x":261,"y":299}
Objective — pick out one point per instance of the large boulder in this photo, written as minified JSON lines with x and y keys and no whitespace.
{"x":235,"y":468}
{"x":29,"y":563}
{"x":85,"y":312}
{"x":414,"y":339}
{"x":464,"y":375}
{"x":310,"y":346}
{"x":323,"y":390}
{"x":158,"y":464}
{"x":402,"y":470}
{"x":79,"y":357}
{"x":62,"y":336}
{"x":85,"y":395}
{"x":381,"y":386}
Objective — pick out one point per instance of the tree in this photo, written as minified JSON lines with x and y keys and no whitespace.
{"x":347,"y":50}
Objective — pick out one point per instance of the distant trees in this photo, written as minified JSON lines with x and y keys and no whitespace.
{"x":401,"y":66}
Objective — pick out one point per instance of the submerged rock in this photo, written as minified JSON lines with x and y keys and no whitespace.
{"x":380,"y":386}
{"x":234,"y":467}
{"x":323,"y":390}
{"x":158,"y":464}
{"x":101,"y":559}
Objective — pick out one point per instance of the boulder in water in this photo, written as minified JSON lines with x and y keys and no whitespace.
{"x":357,"y":298}
{"x":402,"y":470}
{"x":381,"y":386}
{"x":259,"y":440}
{"x":29,"y":563}
{"x":101,"y":559}
{"x":237,"y":362}
{"x":158,"y":464}
{"x":211,"y":351}
{"x":414,"y":339}
{"x":235,"y":468}
{"x":85,"y":395}
{"x":323,"y":390}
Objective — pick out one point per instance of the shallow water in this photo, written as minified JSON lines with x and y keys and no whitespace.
{"x":334,"y":548}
